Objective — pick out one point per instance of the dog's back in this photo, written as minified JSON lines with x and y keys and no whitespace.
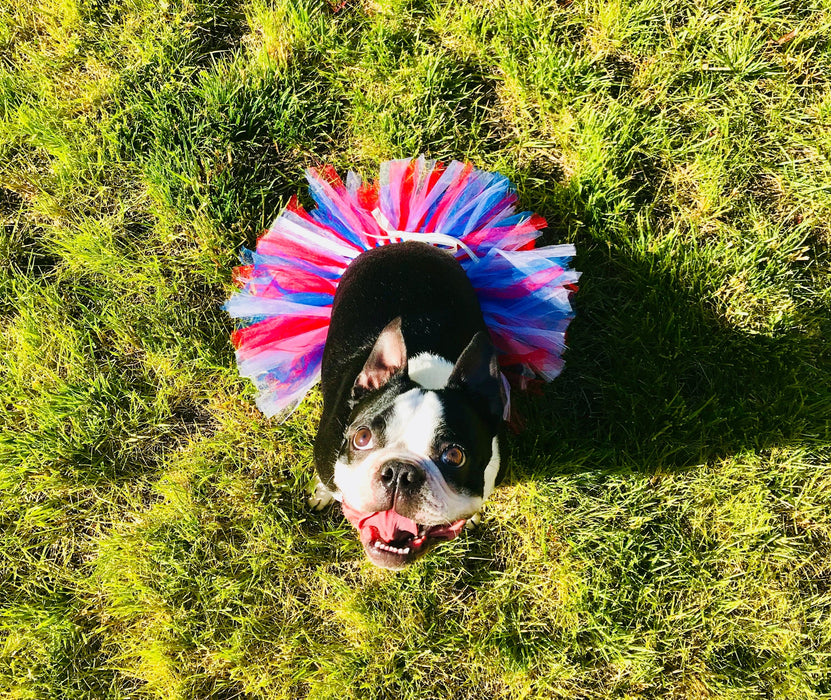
{"x":423,"y":285}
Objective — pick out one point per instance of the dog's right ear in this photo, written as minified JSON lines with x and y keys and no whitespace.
{"x":387,"y":359}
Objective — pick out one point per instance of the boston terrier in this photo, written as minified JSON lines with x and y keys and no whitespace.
{"x":412,"y":402}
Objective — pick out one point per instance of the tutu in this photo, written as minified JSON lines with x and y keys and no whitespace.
{"x":287,"y":285}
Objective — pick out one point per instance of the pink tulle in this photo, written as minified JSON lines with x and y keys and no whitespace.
{"x":287,"y":285}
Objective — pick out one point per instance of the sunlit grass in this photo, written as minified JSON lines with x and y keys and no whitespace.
{"x":663,"y":530}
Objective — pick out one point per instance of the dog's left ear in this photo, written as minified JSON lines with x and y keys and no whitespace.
{"x":388,"y":358}
{"x":477,"y":371}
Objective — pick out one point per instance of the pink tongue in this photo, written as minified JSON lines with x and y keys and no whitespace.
{"x":388,"y":523}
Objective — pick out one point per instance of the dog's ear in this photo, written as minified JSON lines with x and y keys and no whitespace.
{"x":477,"y":372}
{"x":388,"y":358}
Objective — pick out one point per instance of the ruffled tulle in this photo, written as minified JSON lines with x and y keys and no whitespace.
{"x":288,"y":284}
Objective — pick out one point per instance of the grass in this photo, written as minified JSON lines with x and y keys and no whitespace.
{"x":664,"y":529}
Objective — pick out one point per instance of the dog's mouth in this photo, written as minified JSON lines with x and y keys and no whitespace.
{"x":392,"y":541}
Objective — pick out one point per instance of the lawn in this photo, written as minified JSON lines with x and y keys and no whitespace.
{"x":664,"y":530}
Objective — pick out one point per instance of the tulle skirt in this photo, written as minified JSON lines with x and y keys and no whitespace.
{"x":287,"y":285}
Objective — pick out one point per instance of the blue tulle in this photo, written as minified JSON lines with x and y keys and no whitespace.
{"x":287,"y":285}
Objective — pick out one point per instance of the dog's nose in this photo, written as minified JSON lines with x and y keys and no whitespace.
{"x":403,"y":477}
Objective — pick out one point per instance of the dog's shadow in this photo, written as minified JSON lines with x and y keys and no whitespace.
{"x":655,"y":378}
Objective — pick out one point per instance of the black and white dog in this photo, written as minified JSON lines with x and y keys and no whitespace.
{"x":412,"y":402}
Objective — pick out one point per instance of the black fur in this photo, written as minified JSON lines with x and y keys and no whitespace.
{"x":439,"y":312}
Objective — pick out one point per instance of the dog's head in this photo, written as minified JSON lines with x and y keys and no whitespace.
{"x":420,"y":452}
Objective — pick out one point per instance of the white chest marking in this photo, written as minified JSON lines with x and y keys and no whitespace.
{"x":491,"y":470}
{"x":429,"y":371}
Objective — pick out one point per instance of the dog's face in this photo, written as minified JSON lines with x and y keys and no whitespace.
{"x":420,"y":452}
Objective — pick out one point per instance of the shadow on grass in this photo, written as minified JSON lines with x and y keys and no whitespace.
{"x":655,"y":379}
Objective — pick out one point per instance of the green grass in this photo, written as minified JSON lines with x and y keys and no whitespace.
{"x":664,"y":530}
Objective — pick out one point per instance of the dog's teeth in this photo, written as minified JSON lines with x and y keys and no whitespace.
{"x":389,"y":548}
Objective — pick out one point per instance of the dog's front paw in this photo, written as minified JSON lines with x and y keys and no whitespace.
{"x":320,"y":497}
{"x":473,"y":521}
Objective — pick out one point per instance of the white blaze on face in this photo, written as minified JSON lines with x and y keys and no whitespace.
{"x":415,"y":419}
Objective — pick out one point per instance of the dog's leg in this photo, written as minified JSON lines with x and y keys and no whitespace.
{"x":320,"y":496}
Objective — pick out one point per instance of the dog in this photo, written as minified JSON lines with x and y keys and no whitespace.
{"x":413,"y":402}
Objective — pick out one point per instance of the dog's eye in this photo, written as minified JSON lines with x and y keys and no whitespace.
{"x":453,"y":456}
{"x":362,"y":439}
